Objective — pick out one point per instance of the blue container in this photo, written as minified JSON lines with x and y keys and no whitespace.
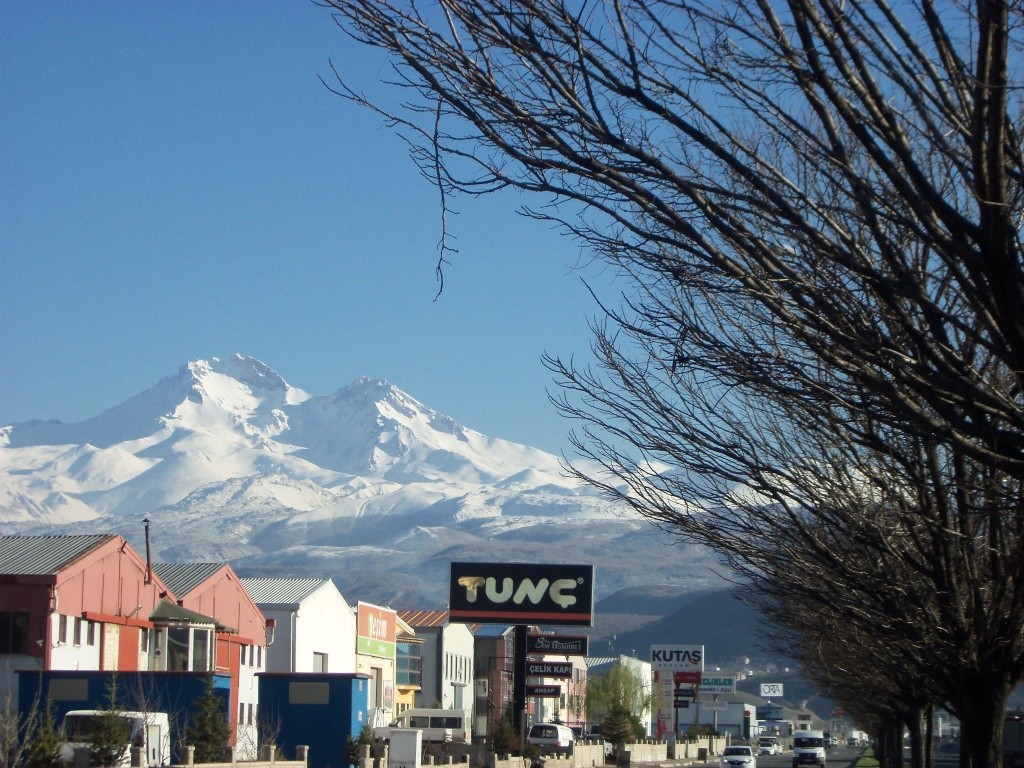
{"x":320,"y":710}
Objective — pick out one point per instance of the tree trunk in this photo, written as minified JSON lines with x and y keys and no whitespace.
{"x":981,"y":707}
{"x":916,"y":739}
{"x":929,"y":737}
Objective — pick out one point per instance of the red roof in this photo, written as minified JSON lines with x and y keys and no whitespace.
{"x":424,"y":618}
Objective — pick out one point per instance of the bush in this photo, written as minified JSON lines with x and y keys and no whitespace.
{"x":110,"y":735}
{"x":208,"y":730}
{"x":353,"y":745}
{"x":44,"y":741}
{"x":505,"y":740}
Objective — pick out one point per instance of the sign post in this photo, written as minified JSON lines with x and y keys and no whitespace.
{"x":521,"y":594}
{"x":682,"y":666}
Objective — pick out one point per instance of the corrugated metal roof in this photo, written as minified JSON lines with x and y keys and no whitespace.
{"x":281,"y":591}
{"x":182,"y":578}
{"x":44,"y":555}
{"x":424,"y":619}
{"x":490,"y":630}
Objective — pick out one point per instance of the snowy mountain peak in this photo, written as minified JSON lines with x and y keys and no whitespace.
{"x":246,"y":373}
{"x":232,"y":463}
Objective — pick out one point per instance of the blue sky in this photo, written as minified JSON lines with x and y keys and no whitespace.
{"x":177,"y":184}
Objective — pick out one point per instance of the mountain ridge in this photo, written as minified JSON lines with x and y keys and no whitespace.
{"x":366,"y":485}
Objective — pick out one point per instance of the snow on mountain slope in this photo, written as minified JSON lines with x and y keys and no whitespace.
{"x":229,"y":462}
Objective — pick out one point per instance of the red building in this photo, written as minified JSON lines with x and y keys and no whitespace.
{"x":92,"y":603}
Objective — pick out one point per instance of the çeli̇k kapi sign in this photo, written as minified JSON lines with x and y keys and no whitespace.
{"x":521,"y":593}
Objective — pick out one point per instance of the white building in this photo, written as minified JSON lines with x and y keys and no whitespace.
{"x":448,"y":652}
{"x":315,"y":627}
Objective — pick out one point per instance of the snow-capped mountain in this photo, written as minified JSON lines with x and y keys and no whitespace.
{"x":229,"y":462}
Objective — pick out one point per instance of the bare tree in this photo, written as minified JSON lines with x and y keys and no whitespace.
{"x":814,"y":206}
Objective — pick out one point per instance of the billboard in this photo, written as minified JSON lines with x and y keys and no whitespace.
{"x":521,"y":593}
{"x":677,"y":658}
{"x":716,"y":685}
{"x":544,"y":691}
{"x":376,"y":630}
{"x":548,"y":669}
{"x":770,"y":689}
{"x":557,"y":645}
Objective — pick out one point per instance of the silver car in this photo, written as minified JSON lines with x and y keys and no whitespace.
{"x":738,"y":757}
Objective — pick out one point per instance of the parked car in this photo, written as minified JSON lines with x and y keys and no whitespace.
{"x":550,"y":735}
{"x":738,"y":757}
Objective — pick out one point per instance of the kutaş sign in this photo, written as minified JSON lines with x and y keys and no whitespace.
{"x":677,"y":658}
{"x":520,"y":593}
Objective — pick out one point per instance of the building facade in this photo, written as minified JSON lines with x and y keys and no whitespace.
{"x":235,"y":647}
{"x":314,"y":628}
{"x":74,"y":603}
{"x":448,"y":660}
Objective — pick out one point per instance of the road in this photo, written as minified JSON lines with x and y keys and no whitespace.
{"x":837,"y":757}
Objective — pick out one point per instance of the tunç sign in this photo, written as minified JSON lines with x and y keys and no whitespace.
{"x":520,"y":593}
{"x":557,"y":645}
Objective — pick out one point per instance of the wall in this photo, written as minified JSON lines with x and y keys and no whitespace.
{"x":457,"y":647}
{"x":325,"y":624}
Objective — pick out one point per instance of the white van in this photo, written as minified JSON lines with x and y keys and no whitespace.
{"x":550,"y":735}
{"x":436,"y":724}
{"x":148,"y":730}
{"x":808,"y":748}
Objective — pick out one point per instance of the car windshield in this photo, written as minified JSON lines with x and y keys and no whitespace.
{"x":736,"y":751}
{"x":808,"y":741}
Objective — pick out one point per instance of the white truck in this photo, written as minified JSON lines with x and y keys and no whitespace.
{"x":149,"y":731}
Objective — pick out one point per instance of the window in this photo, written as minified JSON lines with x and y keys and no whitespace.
{"x":259,"y":657}
{"x":201,"y":650}
{"x":408,"y":665}
{"x":90,"y":631}
{"x":144,"y":640}
{"x":62,"y":629}
{"x":319,"y":662}
{"x":242,"y":660}
{"x":177,"y":649}
{"x":78,"y":631}
{"x":189,"y":649}
{"x":13,"y":632}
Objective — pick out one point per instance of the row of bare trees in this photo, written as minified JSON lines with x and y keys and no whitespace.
{"x":817,"y":364}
